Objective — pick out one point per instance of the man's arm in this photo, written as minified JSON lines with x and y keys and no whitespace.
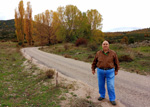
{"x":94,"y":64}
{"x":116,"y":63}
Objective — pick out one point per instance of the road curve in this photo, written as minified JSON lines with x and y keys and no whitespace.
{"x":132,"y":90}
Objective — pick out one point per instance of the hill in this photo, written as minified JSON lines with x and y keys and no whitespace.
{"x":132,"y":36}
{"x":7,"y":29}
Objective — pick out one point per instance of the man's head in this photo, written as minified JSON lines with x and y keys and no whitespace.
{"x":105,"y":45}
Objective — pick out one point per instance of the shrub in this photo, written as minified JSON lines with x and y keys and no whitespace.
{"x":93,"y":46}
{"x":90,"y":56}
{"x":50,"y":73}
{"x":66,"y":46}
{"x":67,"y":56}
{"x":125,"y":58}
{"x":124,"y":40}
{"x":20,"y":43}
{"x":131,"y":40}
{"x":81,"y":41}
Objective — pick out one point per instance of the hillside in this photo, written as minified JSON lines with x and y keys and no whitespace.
{"x":7,"y":29}
{"x":133,"y":36}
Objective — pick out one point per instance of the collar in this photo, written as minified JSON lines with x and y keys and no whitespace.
{"x":106,"y":52}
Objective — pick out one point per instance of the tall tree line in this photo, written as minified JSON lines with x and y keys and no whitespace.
{"x":24,"y":23}
{"x":67,"y":24}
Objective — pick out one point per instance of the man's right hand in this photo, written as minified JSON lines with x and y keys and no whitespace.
{"x":93,"y":72}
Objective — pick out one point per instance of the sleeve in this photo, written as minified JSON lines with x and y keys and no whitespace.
{"x":94,"y":62}
{"x":116,"y":63}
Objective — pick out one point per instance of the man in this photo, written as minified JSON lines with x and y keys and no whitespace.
{"x":107,"y":64}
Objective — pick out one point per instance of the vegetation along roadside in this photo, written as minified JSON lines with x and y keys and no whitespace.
{"x":23,"y":84}
{"x":135,"y":59}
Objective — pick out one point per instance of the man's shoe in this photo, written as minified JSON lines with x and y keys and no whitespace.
{"x":100,"y":98}
{"x":113,"y":102}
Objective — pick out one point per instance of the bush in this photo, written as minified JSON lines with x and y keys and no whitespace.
{"x":131,"y":40}
{"x":125,"y":58}
{"x":90,"y":56}
{"x":124,"y":40}
{"x":67,"y":56}
{"x":81,"y":41}
{"x":93,"y":46}
{"x":66,"y":46}
{"x":20,"y":43}
{"x":50,"y":73}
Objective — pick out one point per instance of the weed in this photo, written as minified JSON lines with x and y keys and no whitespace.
{"x":50,"y":73}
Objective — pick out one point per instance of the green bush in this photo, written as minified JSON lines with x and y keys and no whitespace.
{"x":131,"y":40}
{"x":20,"y":43}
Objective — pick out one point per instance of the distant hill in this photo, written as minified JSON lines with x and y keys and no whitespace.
{"x":133,"y":36}
{"x":123,"y":29}
{"x":7,"y":29}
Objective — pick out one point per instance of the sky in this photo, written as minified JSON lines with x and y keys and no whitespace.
{"x":118,"y":15}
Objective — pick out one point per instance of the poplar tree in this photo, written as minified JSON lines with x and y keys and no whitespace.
{"x":28,"y":24}
{"x":19,"y":23}
{"x":95,"y":19}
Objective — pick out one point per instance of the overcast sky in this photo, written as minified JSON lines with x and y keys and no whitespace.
{"x":116,"y":14}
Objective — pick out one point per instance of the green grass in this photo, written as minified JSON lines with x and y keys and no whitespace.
{"x":19,"y":87}
{"x":140,"y":55}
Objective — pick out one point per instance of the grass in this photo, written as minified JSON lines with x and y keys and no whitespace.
{"x":140,"y":56}
{"x":27,"y":86}
{"x":19,"y":87}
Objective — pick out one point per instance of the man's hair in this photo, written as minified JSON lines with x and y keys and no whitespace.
{"x":106,"y":41}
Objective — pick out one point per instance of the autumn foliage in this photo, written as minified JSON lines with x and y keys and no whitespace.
{"x":28,"y":28}
{"x":23,"y":23}
{"x":67,"y":24}
{"x":19,"y":23}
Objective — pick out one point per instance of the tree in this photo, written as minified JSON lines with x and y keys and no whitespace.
{"x":83,"y":27}
{"x":55,"y":27}
{"x":48,"y":25}
{"x":95,"y":19}
{"x":61,"y":26}
{"x":39,"y":30}
{"x":124,"y":40}
{"x":19,"y":23}
{"x":28,"y":24}
{"x":71,"y":16}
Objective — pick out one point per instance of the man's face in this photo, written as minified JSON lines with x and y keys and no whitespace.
{"x":105,"y":45}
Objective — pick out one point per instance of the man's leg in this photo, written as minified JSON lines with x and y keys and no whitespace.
{"x":101,"y":82}
{"x":110,"y":84}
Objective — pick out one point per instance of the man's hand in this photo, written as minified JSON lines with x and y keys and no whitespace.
{"x":116,"y":73}
{"x":93,"y":72}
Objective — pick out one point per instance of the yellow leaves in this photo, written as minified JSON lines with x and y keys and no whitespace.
{"x":95,"y":19}
{"x":28,"y":27}
{"x":98,"y":36}
{"x":23,"y":23}
{"x":19,"y":22}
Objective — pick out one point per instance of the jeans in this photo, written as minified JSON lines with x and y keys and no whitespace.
{"x":108,"y":75}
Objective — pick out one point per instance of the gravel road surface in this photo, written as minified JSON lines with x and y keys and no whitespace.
{"x":132,"y":90}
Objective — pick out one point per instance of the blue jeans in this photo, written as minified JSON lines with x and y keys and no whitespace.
{"x":109,"y":75}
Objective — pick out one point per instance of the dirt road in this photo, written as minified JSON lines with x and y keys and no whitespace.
{"x":132,"y":90}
